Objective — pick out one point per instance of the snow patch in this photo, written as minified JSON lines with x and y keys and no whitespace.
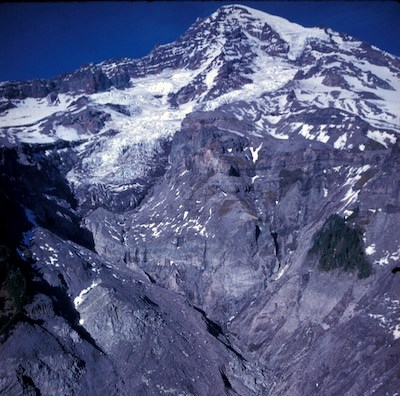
{"x":353,"y":176}
{"x":370,"y":250}
{"x":305,"y":131}
{"x":281,"y":272}
{"x":254,"y":152}
{"x":276,"y":135}
{"x":340,"y":143}
{"x":384,"y":260}
{"x":322,"y":135}
{"x":80,"y":298}
{"x":210,"y":78}
{"x":382,"y":137}
{"x":380,"y":318}
{"x":31,"y":110}
{"x":66,"y":133}
{"x":347,"y":213}
{"x":396,"y":332}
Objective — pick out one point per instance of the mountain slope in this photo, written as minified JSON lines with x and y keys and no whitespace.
{"x":217,"y":217}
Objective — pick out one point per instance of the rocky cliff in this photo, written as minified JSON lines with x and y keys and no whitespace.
{"x":219,"y":217}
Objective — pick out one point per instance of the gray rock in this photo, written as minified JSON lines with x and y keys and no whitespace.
{"x":177,"y":260}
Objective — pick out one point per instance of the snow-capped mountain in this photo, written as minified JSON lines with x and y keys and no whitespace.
{"x":223,"y":211}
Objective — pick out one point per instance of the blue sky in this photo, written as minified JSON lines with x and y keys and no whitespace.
{"x":42,"y":40}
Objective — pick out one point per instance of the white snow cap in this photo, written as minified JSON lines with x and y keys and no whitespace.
{"x":295,"y":35}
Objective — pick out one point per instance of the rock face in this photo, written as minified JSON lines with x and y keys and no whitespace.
{"x":219,"y":217}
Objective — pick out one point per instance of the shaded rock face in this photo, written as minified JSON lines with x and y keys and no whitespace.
{"x":196,"y":222}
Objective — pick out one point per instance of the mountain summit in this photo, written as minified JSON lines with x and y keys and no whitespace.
{"x":218,"y":217}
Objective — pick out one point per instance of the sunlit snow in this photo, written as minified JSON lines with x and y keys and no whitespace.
{"x":30,"y":111}
{"x":382,"y":137}
{"x":152,"y":119}
{"x":80,"y":298}
{"x":370,"y":250}
{"x":254,"y":152}
{"x":295,"y":35}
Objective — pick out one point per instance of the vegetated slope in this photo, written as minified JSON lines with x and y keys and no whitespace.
{"x":219,"y":217}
